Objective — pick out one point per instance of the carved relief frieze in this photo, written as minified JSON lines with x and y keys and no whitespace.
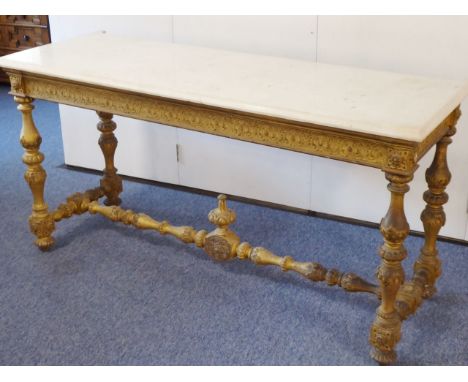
{"x":314,"y":140}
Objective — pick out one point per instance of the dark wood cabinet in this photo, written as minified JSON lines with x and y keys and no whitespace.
{"x":22,"y":32}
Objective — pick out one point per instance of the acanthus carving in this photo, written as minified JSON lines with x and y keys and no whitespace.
{"x":390,"y":275}
{"x":42,"y":226}
{"x":384,"y":335}
{"x":393,"y":234}
{"x":400,"y":160}
{"x":436,"y":200}
{"x":307,"y":139}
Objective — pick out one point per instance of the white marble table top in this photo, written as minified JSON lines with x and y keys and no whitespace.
{"x":374,"y":102}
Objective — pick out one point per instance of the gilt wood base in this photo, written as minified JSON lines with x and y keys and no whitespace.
{"x":398,"y":296}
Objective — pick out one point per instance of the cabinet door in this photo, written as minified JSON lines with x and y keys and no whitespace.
{"x":244,"y":169}
{"x":25,"y":37}
{"x":3,"y":35}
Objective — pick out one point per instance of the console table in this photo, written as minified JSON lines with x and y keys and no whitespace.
{"x":379,"y":119}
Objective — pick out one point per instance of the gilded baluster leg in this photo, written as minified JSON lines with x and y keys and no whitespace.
{"x":385,"y":331}
{"x":41,"y":222}
{"x":433,"y":216}
{"x":111,"y":183}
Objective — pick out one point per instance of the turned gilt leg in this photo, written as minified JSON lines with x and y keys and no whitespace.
{"x":111,"y":183}
{"x":41,"y":222}
{"x":438,"y":176}
{"x":385,"y":331}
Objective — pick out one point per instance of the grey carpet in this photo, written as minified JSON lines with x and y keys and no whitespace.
{"x":109,"y":294}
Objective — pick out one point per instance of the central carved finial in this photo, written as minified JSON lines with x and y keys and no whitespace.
{"x":222,"y":216}
{"x":221,"y":243}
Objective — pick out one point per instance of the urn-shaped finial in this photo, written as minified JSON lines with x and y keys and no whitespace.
{"x":221,"y":243}
{"x":222,"y":216}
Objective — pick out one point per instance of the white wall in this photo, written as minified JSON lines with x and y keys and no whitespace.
{"x":433,"y":46}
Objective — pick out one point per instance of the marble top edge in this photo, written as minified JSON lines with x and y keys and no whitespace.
{"x":6,"y":61}
{"x":416,"y":127}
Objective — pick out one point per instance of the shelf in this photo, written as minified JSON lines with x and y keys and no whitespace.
{"x":24,"y":25}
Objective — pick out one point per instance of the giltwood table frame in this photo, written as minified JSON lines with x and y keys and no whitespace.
{"x":398,"y":159}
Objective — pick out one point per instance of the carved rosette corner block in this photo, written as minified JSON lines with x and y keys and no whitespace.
{"x":41,"y":222}
{"x":221,"y":244}
{"x":17,"y":84}
{"x":385,"y":331}
{"x":111,"y":183}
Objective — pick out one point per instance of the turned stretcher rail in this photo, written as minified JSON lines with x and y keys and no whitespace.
{"x":223,"y":244}
{"x":77,"y":203}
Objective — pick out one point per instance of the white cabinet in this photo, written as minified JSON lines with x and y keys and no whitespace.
{"x":244,"y":169}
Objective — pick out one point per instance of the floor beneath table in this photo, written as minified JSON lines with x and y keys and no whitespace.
{"x":109,"y":294}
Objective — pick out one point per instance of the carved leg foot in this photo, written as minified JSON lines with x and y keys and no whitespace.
{"x":428,"y":266}
{"x":41,"y":222}
{"x":385,"y":331}
{"x":111,"y":183}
